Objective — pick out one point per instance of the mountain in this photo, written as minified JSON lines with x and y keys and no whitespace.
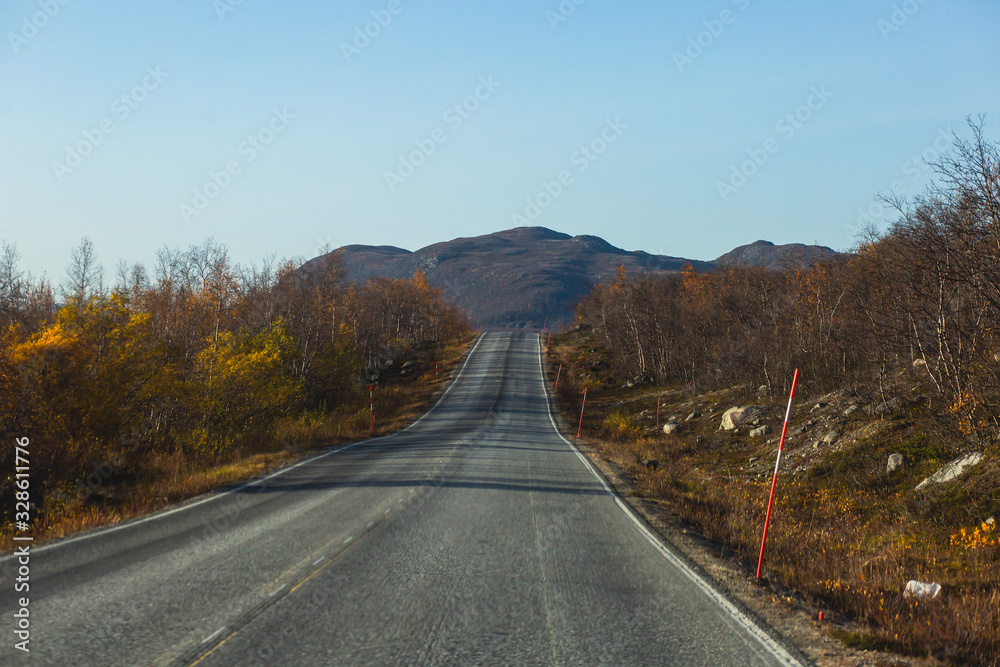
{"x":514,"y":278}
{"x":775,"y":257}
{"x":526,"y":276}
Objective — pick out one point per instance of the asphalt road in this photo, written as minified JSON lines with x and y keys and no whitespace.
{"x":478,"y":536}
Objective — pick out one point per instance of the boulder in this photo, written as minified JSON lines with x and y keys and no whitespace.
{"x":670,"y":428}
{"x":694,"y":415}
{"x":895,"y":463}
{"x":831,"y":438}
{"x":879,"y":409}
{"x":733,"y":418}
{"x":759,"y":431}
{"x":850,"y":411}
{"x":952,"y":471}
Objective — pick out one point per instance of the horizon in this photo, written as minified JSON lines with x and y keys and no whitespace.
{"x":675,"y":130}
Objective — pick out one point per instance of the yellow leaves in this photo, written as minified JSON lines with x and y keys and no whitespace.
{"x":979,"y":537}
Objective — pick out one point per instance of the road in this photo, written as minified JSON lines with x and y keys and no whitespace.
{"x":477,"y":536}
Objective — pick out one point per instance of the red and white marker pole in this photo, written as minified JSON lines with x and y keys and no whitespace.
{"x":579,"y":429}
{"x":371,"y":400}
{"x":774,"y":480}
{"x":558,"y":373}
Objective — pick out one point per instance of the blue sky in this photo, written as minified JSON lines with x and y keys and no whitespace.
{"x":679,"y":128}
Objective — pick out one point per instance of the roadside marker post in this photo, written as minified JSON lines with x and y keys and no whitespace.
{"x":558,"y":373}
{"x":579,"y":429}
{"x":371,"y":400}
{"x":774,"y":480}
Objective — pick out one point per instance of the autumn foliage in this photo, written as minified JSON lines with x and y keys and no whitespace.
{"x":916,"y":305}
{"x":198,"y":362}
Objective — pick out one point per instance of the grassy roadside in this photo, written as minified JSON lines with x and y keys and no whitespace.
{"x":846,"y":534}
{"x":105,"y":495}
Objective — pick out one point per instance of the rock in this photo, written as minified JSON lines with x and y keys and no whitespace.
{"x":851,"y":410}
{"x":671,"y":428}
{"x":895,"y":463}
{"x":884,"y":408}
{"x":735,"y":417}
{"x":760,"y":430}
{"x":921,"y":590}
{"x":694,"y":415}
{"x":952,"y":471}
{"x":831,"y":438}
{"x":919,"y":365}
{"x":818,"y":406}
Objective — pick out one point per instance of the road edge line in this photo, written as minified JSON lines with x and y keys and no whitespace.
{"x":752,"y":627}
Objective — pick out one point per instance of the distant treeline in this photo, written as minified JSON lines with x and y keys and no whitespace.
{"x":917,"y":303}
{"x":193,"y":359}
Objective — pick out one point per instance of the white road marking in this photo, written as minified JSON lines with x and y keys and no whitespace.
{"x":213,"y":635}
{"x":321,"y":559}
{"x":276,"y":591}
{"x":752,"y":628}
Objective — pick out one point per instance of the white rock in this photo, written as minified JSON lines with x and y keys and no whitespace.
{"x":920,"y":590}
{"x":953,"y":470}
{"x":736,"y":417}
{"x":671,"y":428}
{"x":760,"y":430}
{"x":850,"y":411}
{"x":895,"y":463}
{"x":831,"y":438}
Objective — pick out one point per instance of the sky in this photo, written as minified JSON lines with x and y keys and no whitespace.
{"x":677,"y":128}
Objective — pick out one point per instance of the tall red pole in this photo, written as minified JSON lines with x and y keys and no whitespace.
{"x":774,"y":480}
{"x":579,"y":428}
{"x":558,"y":373}
{"x":371,"y":399}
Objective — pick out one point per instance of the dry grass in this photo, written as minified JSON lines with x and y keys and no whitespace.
{"x":845,"y":534}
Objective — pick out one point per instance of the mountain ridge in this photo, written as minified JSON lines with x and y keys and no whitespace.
{"x":527,"y":276}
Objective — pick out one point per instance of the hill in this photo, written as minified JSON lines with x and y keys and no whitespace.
{"x":776,"y":257}
{"x":526,"y":276}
